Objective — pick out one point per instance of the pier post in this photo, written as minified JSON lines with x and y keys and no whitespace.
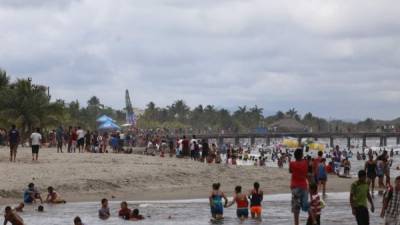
{"x":348,"y":142}
{"x":220,"y":141}
{"x":237,"y":141}
{"x":299,"y":141}
{"x":385,"y":141}
{"x":381,"y":142}
{"x":364,"y":143}
{"x":253,"y":140}
{"x":268,"y":141}
{"x":331,"y":142}
{"x":398,"y":140}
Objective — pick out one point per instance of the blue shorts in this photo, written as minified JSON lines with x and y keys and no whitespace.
{"x":217,"y":210}
{"x":242,"y":213}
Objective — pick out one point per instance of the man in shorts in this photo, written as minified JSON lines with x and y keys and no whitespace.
{"x":36,"y":140}
{"x":359,"y":195}
{"x":13,"y":139}
{"x":299,"y":185}
{"x":391,"y":204}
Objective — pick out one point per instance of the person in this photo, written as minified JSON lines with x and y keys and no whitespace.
{"x":74,"y":138}
{"x":242,"y":211}
{"x":20,"y":207}
{"x":359,"y":195}
{"x":315,"y":165}
{"x":124,"y":212}
{"x":314,"y":216}
{"x":81,"y":139}
{"x":256,"y":197}
{"x":78,"y":221}
{"x":31,"y":194}
{"x":322,"y":176}
{"x":299,"y":184}
{"x":12,"y":217}
{"x":40,"y":208}
{"x":380,"y":172}
{"x":185,"y":146}
{"x":88,"y":137}
{"x":53,"y":197}
{"x":391,"y":204}
{"x":205,"y":150}
{"x":347,"y":167}
{"x":135,"y":216}
{"x":370,"y":168}
{"x":59,"y":138}
{"x":36,"y":140}
{"x":104,"y":211}
{"x":216,"y":196}
{"x":13,"y":140}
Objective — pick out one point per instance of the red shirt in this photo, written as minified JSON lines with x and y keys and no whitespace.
{"x":299,"y":171}
{"x":124,"y":213}
{"x":315,"y":204}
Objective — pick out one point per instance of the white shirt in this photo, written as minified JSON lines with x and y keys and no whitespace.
{"x":80,"y":133}
{"x":36,"y":138}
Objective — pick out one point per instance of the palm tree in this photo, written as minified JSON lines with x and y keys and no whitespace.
{"x":29,"y":106}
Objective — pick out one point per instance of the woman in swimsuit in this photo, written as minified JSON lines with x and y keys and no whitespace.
{"x":256,"y":197}
{"x":242,"y":203}
{"x":216,"y":196}
{"x":12,"y":217}
{"x":370,"y":168}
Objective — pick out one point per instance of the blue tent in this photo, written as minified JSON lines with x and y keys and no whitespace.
{"x":104,"y":118}
{"x":109,"y":125}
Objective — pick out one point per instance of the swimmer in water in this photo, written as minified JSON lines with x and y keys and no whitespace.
{"x":256,"y":197}
{"x":135,"y":216}
{"x":12,"y":217}
{"x":104,"y":211}
{"x":242,"y":203}
{"x":78,"y":221}
{"x":216,"y":196}
{"x":20,"y":207}
{"x":53,"y":197}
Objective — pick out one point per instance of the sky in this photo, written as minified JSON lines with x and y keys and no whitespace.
{"x":339,"y":59}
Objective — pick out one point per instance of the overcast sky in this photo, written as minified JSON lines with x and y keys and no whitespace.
{"x":338,"y":59}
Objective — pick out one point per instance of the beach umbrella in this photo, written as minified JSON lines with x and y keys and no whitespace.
{"x":104,"y":118}
{"x":109,"y":125}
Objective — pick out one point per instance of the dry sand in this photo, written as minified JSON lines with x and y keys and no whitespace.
{"x":90,"y":177}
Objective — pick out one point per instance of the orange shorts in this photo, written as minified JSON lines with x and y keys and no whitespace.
{"x":256,"y":210}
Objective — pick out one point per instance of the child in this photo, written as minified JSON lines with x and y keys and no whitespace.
{"x":31,"y":194}
{"x":20,"y":207}
{"x":242,"y":210}
{"x":124,"y":212}
{"x":390,"y":210}
{"x":78,"y":221}
{"x":40,"y":208}
{"x":256,"y":197}
{"x":135,"y":216}
{"x":322,"y":176}
{"x":52,"y":197}
{"x":216,"y":196}
{"x":12,"y":217}
{"x":314,"y":216}
{"x":104,"y":211}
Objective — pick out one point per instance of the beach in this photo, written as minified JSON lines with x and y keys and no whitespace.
{"x":83,"y":177}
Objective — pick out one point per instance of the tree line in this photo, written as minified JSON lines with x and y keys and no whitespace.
{"x":30,"y":105}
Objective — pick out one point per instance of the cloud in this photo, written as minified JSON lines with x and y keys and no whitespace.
{"x":337,"y":59}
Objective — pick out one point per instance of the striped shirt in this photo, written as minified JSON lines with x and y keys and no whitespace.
{"x":316,"y":204}
{"x":393,"y":209}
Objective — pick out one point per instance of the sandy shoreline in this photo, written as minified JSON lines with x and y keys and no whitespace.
{"x":90,"y":177}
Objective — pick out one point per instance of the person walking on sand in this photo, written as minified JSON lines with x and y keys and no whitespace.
{"x":322,"y":176}
{"x":35,"y":141}
{"x":391,"y":204}
{"x":216,"y":196}
{"x":59,"y":138}
{"x":13,"y":140}
{"x":299,"y":184}
{"x":242,"y":211}
{"x":359,"y":195}
{"x":12,"y":217}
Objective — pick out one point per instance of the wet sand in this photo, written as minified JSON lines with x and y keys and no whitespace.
{"x":89,"y":177}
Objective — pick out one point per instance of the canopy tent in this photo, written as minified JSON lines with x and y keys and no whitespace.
{"x":104,"y":118}
{"x":109,"y":125}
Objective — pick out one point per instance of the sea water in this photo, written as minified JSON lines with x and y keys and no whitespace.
{"x":277,"y":211}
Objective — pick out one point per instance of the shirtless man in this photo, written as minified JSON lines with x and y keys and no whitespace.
{"x":12,"y":217}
